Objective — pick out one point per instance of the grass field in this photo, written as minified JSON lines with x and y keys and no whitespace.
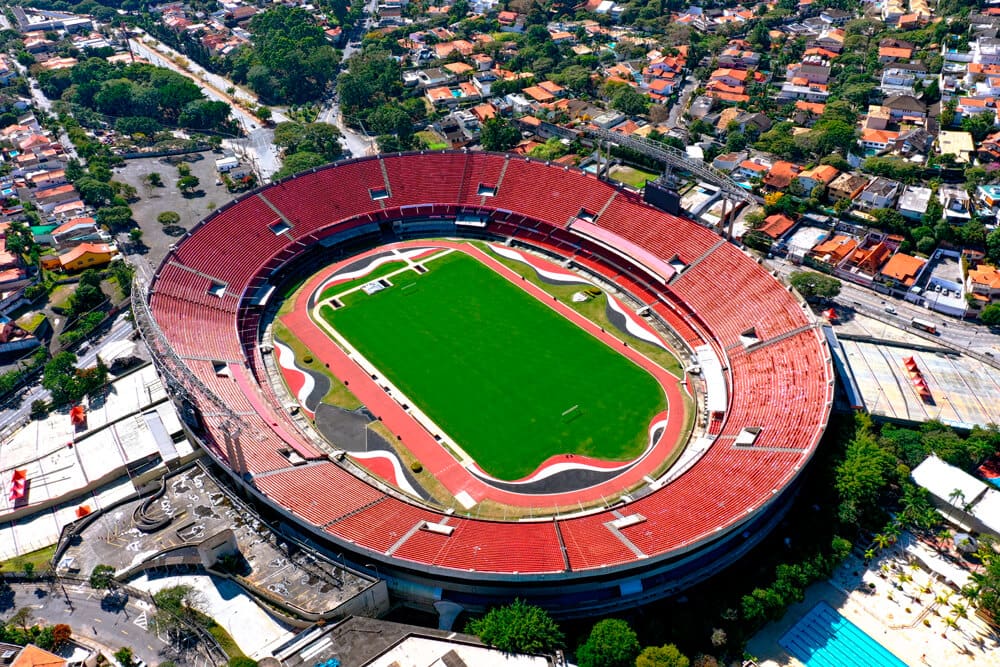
{"x":631,"y":176}
{"x":496,"y":369}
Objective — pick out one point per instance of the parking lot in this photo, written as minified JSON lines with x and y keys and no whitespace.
{"x":155,"y":200}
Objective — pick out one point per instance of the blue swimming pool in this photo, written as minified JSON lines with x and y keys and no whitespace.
{"x":824,"y":638}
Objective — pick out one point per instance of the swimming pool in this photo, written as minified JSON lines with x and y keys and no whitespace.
{"x":824,"y":638}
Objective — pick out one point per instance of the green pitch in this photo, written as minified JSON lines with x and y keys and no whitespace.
{"x":505,"y":376}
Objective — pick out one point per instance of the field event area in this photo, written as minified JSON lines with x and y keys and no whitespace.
{"x":500,"y":372}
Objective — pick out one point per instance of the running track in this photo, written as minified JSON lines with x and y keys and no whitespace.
{"x":438,"y":460}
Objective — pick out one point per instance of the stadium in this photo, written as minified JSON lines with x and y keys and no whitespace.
{"x":584,"y":463}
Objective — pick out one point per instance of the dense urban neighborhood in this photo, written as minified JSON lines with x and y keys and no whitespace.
{"x":844,"y":153}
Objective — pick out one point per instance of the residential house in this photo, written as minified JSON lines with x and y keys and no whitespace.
{"x":728,"y":161}
{"x":846,"y":186}
{"x":804,"y":75}
{"x":957,"y":204}
{"x":869,"y":257}
{"x":7,"y":72}
{"x":833,"y":251}
{"x":897,"y":82}
{"x":75,"y":232}
{"x":775,"y":226}
{"x":48,"y":199}
{"x":913,"y":202}
{"x":87,"y":256}
{"x":877,"y":118}
{"x":880,"y":193}
{"x":752,"y":169}
{"x":819,"y":176}
{"x":984,"y":281}
{"x":780,"y":176}
{"x":877,"y":140}
{"x":889,"y":54}
{"x":901,"y":270}
{"x":959,"y":144}
{"x":905,"y":107}
{"x":755,"y":121}
{"x":972,"y":106}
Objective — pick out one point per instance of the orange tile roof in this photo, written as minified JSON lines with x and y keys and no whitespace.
{"x":986,"y":275}
{"x":815,"y":108}
{"x":32,"y":656}
{"x":903,"y":268}
{"x":83,"y":249}
{"x":878,"y":136}
{"x":894,"y":52}
{"x":738,"y":74}
{"x":837,"y":248}
{"x":539,"y":94}
{"x":776,"y":225}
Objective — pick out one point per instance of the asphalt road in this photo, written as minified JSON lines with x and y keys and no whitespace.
{"x":355,"y":143}
{"x":259,"y":142}
{"x":15,"y":411}
{"x":951,"y":331}
{"x":93,"y":620}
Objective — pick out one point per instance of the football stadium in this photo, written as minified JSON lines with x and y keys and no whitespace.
{"x":481,"y":376}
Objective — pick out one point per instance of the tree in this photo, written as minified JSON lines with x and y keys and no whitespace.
{"x":154,"y":179}
{"x":39,"y":409}
{"x":125,"y":657}
{"x":22,"y":618}
{"x":114,"y":217}
{"x":61,"y":633}
{"x":518,"y":628}
{"x":811,"y":284}
{"x":188,"y":184}
{"x":978,"y":125}
{"x":296,"y":162}
{"x":168,"y":218}
{"x":667,"y":655}
{"x":61,"y":379}
{"x":94,"y":192}
{"x":499,"y":135}
{"x":102,"y":578}
{"x":612,"y":643}
{"x":990,"y":315}
{"x":323,"y":138}
{"x":993,"y":246}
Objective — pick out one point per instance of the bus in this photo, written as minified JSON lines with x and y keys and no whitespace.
{"x":924,"y":325}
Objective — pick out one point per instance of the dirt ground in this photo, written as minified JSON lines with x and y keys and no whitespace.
{"x":155,"y":200}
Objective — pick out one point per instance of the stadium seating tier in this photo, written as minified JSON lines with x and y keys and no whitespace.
{"x":781,"y":386}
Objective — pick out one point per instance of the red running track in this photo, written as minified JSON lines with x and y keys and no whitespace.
{"x":432,"y":455}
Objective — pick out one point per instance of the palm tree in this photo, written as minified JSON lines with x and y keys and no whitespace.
{"x":882,"y":541}
{"x":949,"y":623}
{"x":953,"y":499}
{"x":869,"y":555}
{"x":959,"y":610}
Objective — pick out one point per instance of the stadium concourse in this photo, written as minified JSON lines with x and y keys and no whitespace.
{"x":768,"y":375}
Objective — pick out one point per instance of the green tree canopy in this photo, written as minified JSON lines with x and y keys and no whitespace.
{"x":296,"y":162}
{"x":289,"y":59}
{"x":612,"y":643}
{"x":102,"y":578}
{"x":499,"y":135}
{"x":991,"y":315}
{"x":811,"y":284}
{"x":667,"y":655}
{"x":320,"y":138}
{"x":518,"y":628}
